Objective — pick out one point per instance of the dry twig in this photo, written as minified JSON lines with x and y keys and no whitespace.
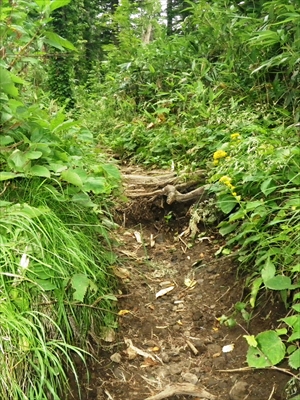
{"x":185,"y":389}
{"x":244,"y":369}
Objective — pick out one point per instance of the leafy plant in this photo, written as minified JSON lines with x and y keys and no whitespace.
{"x":54,"y":220}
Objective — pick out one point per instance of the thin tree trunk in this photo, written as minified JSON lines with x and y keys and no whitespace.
{"x":169,"y":17}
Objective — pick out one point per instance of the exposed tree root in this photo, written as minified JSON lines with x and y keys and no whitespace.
{"x":185,"y":389}
{"x":167,"y":184}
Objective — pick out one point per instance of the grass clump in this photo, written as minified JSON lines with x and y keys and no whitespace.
{"x":50,"y":279}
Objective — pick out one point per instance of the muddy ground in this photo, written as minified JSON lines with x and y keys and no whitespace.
{"x":173,"y":343}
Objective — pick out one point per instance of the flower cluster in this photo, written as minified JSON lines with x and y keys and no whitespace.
{"x":235,"y":136}
{"x":218,"y":155}
{"x":226,"y":180}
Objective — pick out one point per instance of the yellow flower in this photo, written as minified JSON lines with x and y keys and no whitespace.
{"x":225,"y":179}
{"x":216,"y":162}
{"x":235,"y":136}
{"x":219,"y":154}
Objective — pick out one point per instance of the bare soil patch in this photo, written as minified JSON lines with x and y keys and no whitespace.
{"x":171,"y":346}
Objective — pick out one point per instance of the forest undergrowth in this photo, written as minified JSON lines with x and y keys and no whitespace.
{"x":217,"y":90}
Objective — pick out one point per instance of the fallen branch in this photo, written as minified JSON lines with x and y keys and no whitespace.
{"x":185,"y":389}
{"x":163,"y":179}
{"x":173,"y":195}
{"x":169,"y":184}
{"x":244,"y":369}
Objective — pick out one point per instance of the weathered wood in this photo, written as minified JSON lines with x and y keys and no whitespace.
{"x":185,"y":389}
{"x":167,"y":184}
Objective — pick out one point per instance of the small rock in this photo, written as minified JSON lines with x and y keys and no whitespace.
{"x":212,"y":382}
{"x":188,"y":377}
{"x":175,"y":369}
{"x":197,"y":315}
{"x":165,"y":357}
{"x":219,"y":362}
{"x":238,"y":391}
{"x":176,"y":327}
{"x":116,"y":357}
{"x":214,"y":348}
{"x":212,"y":267}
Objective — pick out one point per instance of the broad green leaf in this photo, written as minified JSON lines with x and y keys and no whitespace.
{"x":40,"y":170}
{"x":33,"y":155}
{"x":296,"y":296}
{"x":296,"y":307}
{"x":294,"y":360}
{"x":4,"y":176}
{"x":64,"y":126}
{"x":17,"y":79}
{"x":6,"y":83}
{"x":96,"y":185}
{"x":4,"y":203}
{"x":46,"y":284}
{"x":57,"y":41}
{"x":278,"y":282}
{"x":227,"y":228}
{"x":5,"y":117}
{"x":80,"y":284}
{"x":281,"y":331}
{"x":17,"y":160}
{"x":293,"y":321}
{"x":291,"y":348}
{"x":58,"y":3}
{"x":83,"y":199}
{"x":294,"y":336}
{"x":268,"y":186}
{"x":71,"y":177}
{"x":270,"y":350}
{"x":268,"y":270}
{"x":81,"y":173}
{"x":293,"y":202}
{"x":252,"y":205}
{"x":226,"y":202}
{"x":57,"y":168}
{"x":111,"y":171}
{"x":240,"y":214}
{"x":5,"y":140}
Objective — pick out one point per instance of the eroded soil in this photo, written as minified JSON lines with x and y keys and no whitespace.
{"x":179,"y":332}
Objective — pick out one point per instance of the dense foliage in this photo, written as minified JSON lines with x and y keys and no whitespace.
{"x":54,"y":221}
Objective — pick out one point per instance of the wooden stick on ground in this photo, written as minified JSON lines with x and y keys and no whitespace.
{"x":186,"y":389}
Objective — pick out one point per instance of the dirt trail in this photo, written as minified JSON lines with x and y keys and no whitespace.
{"x":171,"y":345}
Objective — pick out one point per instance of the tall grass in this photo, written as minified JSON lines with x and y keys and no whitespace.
{"x":55,"y":291}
